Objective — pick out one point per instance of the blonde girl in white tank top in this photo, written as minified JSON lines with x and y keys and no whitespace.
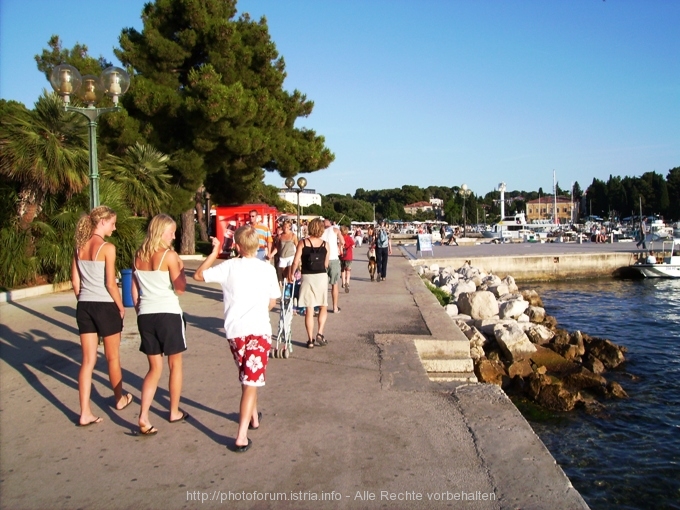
{"x":100,"y":307}
{"x":160,"y":272}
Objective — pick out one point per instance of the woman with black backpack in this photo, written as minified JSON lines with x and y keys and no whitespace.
{"x":311,"y":256}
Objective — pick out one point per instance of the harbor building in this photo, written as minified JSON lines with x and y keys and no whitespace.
{"x":544,"y":209}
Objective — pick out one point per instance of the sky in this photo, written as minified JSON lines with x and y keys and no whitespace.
{"x":437,"y":92}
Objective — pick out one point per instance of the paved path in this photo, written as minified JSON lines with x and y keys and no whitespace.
{"x":355,"y":423}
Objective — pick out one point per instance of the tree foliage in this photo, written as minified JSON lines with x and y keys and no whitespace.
{"x":621,"y":197}
{"x":207,"y":89}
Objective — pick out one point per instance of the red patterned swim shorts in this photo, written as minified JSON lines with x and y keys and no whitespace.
{"x":250,"y":354}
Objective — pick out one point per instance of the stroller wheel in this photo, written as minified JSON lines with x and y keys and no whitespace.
{"x":276,"y":353}
{"x":286,"y":355}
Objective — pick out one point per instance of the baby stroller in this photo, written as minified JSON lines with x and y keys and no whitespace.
{"x":284,"y":346}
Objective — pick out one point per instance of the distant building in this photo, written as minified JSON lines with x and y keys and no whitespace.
{"x":307,"y":197}
{"x":438,"y":203}
{"x":542,"y":209}
{"x":417,"y":207}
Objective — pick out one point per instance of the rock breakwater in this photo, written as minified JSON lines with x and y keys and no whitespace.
{"x":516,"y":345}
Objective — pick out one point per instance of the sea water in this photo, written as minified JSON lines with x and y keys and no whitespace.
{"x":626,"y":455}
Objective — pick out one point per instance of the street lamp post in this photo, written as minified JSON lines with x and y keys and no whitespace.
{"x":464,"y":192}
{"x":302,"y":183}
{"x":113,"y":82}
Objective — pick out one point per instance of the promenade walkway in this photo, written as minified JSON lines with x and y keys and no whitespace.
{"x":356,"y":424}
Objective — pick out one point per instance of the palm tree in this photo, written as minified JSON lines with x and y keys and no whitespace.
{"x":45,"y":151}
{"x":142,"y":174}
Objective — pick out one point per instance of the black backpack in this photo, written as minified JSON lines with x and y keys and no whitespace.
{"x":316,"y":260}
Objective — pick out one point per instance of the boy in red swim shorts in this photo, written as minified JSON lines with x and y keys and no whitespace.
{"x":250,"y":290}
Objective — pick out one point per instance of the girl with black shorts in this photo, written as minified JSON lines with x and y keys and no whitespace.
{"x":100,"y":308}
{"x":159,"y":279}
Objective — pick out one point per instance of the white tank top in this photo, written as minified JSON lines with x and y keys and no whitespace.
{"x":93,"y":279}
{"x":157,"y":293}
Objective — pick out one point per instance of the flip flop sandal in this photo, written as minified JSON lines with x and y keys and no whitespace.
{"x":321,"y":340}
{"x":151,"y":431}
{"x":244,"y":448}
{"x":185,"y":416}
{"x":127,"y":403}
{"x":93,"y":422}
{"x":310,"y":344}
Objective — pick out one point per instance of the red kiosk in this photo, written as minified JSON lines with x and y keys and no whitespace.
{"x":230,"y":217}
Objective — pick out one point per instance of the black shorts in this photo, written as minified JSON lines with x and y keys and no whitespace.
{"x":99,"y":317}
{"x":162,"y":333}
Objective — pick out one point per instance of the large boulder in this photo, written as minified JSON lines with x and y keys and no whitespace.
{"x":536,"y":313}
{"x":538,"y":333}
{"x":594,"y":365}
{"x":486,"y":326}
{"x":499,"y":290}
{"x":478,"y":305}
{"x":533,"y":298}
{"x":510,"y":282}
{"x":491,"y":280}
{"x":520,"y":368}
{"x":556,"y":364}
{"x":610,"y":354}
{"x":512,"y":309}
{"x":615,"y":390}
{"x":555,"y":397}
{"x":461,"y":286}
{"x":535,"y":383}
{"x":451,"y":310}
{"x":473,"y":334}
{"x":488,"y":371}
{"x":584,"y":379}
{"x":512,"y":340}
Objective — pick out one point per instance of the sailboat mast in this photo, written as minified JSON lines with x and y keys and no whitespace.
{"x":555,"y":220}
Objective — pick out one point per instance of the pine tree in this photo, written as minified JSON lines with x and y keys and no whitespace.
{"x":207,"y":90}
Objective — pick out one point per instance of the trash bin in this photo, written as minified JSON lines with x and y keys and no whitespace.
{"x":126,"y":279}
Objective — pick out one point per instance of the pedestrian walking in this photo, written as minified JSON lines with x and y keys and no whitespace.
{"x":382,"y":250}
{"x":334,"y":244}
{"x":358,"y":237}
{"x":100,"y":310}
{"x":158,"y":281}
{"x":346,"y":258}
{"x":312,"y":258}
{"x":250,"y":290}
{"x":265,"y":239}
{"x":286,"y":244}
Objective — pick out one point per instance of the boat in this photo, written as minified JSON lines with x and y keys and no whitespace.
{"x":516,"y":227}
{"x":667,"y":262}
{"x":657,"y":230}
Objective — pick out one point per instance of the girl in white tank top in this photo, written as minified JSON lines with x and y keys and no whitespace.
{"x":159,"y":279}
{"x":100,"y":308}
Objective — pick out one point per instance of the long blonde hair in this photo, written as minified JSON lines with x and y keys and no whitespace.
{"x":154,"y":233}
{"x":88,"y":223}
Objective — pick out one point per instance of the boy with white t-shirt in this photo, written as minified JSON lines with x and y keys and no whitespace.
{"x":250,"y":290}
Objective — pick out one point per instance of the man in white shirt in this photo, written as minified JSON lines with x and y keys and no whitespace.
{"x":334,"y":244}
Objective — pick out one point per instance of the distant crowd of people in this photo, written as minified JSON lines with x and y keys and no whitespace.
{"x":251,"y":283}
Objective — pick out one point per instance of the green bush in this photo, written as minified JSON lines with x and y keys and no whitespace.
{"x":441,"y":296}
{"x":17,"y":265}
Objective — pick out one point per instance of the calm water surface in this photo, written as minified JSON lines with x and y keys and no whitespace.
{"x":627,"y":456}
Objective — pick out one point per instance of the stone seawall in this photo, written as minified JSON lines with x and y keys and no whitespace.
{"x":542,"y":267}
